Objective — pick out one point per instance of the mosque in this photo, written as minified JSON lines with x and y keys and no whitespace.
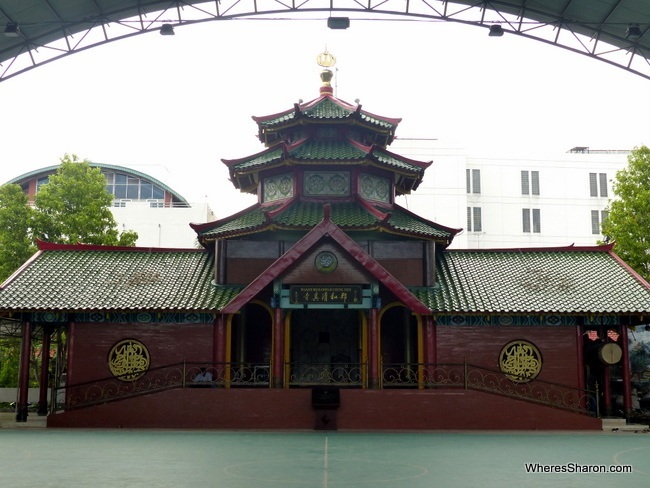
{"x":327,"y":305}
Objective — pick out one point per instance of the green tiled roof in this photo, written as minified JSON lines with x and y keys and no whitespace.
{"x":390,"y":160}
{"x":241,"y":223}
{"x":343,"y":214}
{"x":93,"y":280}
{"x":404,"y":222}
{"x":320,"y":151}
{"x":304,"y":215}
{"x":326,"y":108}
{"x":533,"y":281}
{"x":259,"y":160}
{"x":327,"y":150}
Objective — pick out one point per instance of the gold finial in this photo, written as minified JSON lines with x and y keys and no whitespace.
{"x":325,"y":59}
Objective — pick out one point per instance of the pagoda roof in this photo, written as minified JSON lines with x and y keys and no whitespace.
{"x":565,"y":280}
{"x":551,"y":281}
{"x":326,"y":228}
{"x":301,"y":215}
{"x":308,"y":152}
{"x":327,"y":107}
{"x":84,"y":278}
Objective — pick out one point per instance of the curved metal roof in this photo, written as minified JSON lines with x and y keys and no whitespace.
{"x":40,"y":31}
{"x":48,"y":170}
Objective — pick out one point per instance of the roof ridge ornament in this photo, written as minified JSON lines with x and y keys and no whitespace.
{"x":326,"y":60}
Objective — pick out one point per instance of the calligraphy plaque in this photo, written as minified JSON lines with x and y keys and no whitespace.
{"x":520,"y":361}
{"x":326,"y":294}
{"x":128,"y":360}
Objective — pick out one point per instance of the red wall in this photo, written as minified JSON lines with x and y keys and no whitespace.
{"x":166,"y":343}
{"x":481,"y":345}
{"x":291,"y":409}
{"x":241,"y":408}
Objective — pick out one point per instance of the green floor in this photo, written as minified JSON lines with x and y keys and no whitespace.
{"x":115,"y":458}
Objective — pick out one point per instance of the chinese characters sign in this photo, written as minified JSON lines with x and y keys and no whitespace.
{"x":326,"y":294}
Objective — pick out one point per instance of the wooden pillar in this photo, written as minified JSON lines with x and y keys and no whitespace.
{"x":373,"y":349}
{"x":429,"y":336}
{"x":45,"y":372}
{"x":429,"y":349}
{"x":627,"y":373}
{"x":219,"y":347}
{"x":278,"y":349}
{"x":23,"y":379}
{"x":607,"y":390}
{"x":580,"y":360}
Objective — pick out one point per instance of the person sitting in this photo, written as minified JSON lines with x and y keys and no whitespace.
{"x":203,"y":376}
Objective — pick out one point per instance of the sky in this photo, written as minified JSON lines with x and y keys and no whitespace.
{"x":174,"y":106}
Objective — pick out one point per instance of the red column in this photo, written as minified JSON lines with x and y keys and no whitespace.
{"x":278,"y":349}
{"x":430,"y":352}
{"x":45,"y":372}
{"x":373,"y":349}
{"x":23,"y":379}
{"x":580,"y":357}
{"x":219,"y":347}
{"x":607,"y":390}
{"x":580,"y":364}
{"x":627,"y":373}
{"x":429,"y":336}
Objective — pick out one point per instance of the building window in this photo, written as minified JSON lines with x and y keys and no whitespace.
{"x":123,"y":186}
{"x":598,"y":184}
{"x":474,"y":220}
{"x":41,"y":181}
{"x":473,"y":180}
{"x":536,"y":226}
{"x":529,"y":182}
{"x":597,"y":219}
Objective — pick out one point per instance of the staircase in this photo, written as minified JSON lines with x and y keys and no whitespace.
{"x":611,"y":424}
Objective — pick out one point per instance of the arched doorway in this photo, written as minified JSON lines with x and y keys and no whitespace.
{"x":399,"y":347}
{"x":325,"y":347}
{"x":251,"y":346}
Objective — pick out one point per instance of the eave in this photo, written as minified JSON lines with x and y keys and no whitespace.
{"x":326,"y":228}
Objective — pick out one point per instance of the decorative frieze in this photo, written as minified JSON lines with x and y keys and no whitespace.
{"x":374,"y":188}
{"x":327,"y":183}
{"x":277,"y":187}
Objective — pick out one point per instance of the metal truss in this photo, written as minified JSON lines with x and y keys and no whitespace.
{"x":38,"y":42}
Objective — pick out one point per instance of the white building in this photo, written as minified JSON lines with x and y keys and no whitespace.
{"x":510,"y":200}
{"x":141,"y":203}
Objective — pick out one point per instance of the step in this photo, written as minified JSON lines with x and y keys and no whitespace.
{"x":621,"y":425}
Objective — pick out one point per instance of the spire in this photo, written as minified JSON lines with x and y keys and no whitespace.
{"x":326,"y":60}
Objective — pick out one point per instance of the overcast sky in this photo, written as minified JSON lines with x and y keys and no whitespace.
{"x":172,"y":107}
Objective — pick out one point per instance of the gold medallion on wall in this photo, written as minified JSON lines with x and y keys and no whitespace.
{"x":520,"y":361}
{"x":128,"y":360}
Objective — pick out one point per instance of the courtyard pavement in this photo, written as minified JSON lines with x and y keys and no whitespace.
{"x":31,"y":455}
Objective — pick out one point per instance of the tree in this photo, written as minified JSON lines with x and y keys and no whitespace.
{"x":628,"y":221}
{"x":16,"y":219}
{"x":74,"y":207}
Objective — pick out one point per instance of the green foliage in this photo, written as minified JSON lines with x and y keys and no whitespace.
{"x":9,"y":362}
{"x":74,"y":207}
{"x":640,"y":357}
{"x":628,"y":223}
{"x":16,"y":220}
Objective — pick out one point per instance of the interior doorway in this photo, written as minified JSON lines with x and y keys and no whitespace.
{"x":325,"y":347}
